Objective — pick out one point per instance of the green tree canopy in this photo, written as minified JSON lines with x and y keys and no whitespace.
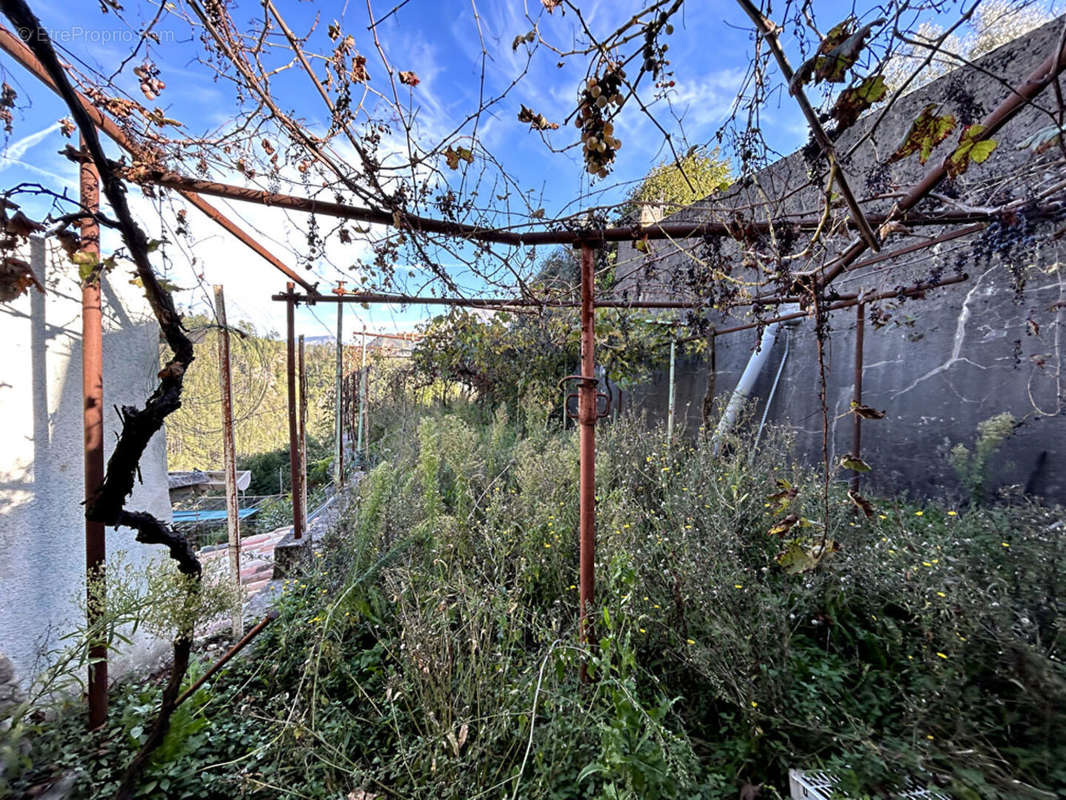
{"x":504,"y":357}
{"x":673,"y":185}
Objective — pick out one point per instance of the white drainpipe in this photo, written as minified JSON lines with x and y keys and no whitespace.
{"x":751,"y":373}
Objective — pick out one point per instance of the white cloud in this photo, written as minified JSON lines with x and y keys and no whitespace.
{"x":19,"y":148}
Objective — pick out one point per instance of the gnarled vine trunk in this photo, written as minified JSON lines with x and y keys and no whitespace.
{"x":108,"y":501}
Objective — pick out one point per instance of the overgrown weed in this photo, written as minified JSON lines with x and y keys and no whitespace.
{"x":431,"y":649}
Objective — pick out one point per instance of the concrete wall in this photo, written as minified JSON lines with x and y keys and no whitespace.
{"x":42,"y":538}
{"x":942,"y":364}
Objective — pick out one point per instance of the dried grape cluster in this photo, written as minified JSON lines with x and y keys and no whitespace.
{"x":1011,"y":237}
{"x":600,"y":100}
{"x":150,"y":84}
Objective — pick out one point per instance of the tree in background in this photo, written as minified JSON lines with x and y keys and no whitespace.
{"x":674,"y":185}
{"x":260,"y":406}
{"x":505,"y":358}
{"x":667,"y":188}
{"x":994,"y":23}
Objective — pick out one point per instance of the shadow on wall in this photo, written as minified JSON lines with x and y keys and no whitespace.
{"x":42,"y":539}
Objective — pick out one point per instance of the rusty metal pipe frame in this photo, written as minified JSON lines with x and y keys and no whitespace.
{"x":338,"y":421}
{"x":572,"y":236}
{"x":302,"y":384}
{"x":92,"y":386}
{"x":1037,"y":81}
{"x":474,"y":302}
{"x":910,"y":291}
{"x":587,"y":414}
{"x":856,"y":399}
{"x":14,"y":47}
{"x":254,"y":631}
{"x":526,"y":302}
{"x":294,"y":438}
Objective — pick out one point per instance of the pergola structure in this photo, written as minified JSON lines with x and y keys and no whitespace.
{"x":807,"y":287}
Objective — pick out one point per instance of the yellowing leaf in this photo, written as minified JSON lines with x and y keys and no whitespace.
{"x":925,"y":133}
{"x":837,"y":54}
{"x":805,"y":554}
{"x":854,"y":464}
{"x":856,"y":99}
{"x":783,"y":525}
{"x":453,"y":155}
{"x":971,"y":148}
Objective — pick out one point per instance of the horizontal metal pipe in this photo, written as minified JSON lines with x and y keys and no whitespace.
{"x":15,"y":48}
{"x":908,"y":292}
{"x":571,"y":236}
{"x":271,"y":615}
{"x":479,"y":302}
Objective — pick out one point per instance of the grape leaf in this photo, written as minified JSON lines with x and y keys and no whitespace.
{"x":805,"y":554}
{"x":854,"y":463}
{"x":783,"y":525}
{"x":925,"y":133}
{"x":971,"y":148}
{"x":453,"y":155}
{"x":837,"y":54}
{"x":866,"y":412}
{"x":856,"y":99}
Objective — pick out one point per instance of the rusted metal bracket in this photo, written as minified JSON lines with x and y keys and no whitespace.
{"x":602,"y":410}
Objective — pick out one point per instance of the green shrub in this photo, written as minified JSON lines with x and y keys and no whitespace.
{"x":970,"y":467}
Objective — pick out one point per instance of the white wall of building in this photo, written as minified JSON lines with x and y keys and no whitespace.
{"x":42,"y":531}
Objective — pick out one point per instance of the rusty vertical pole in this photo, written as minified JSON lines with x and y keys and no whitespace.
{"x":587,"y":447}
{"x":362,"y":408}
{"x":294,"y":436}
{"x":338,"y":455}
{"x":92,"y":386}
{"x":856,"y":400}
{"x":229,"y":456}
{"x":303,"y":437}
{"x":366,"y":415}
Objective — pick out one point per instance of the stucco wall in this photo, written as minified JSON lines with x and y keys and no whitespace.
{"x":42,"y":538}
{"x":943,"y":364}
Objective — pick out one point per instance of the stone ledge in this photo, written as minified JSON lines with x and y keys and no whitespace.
{"x":290,"y":554}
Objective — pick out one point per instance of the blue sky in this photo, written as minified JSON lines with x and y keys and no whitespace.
{"x":440,"y":41}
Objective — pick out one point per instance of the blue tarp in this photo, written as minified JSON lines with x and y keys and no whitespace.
{"x":210,"y":516}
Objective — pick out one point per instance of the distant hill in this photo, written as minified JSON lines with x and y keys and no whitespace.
{"x":260,"y":410}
